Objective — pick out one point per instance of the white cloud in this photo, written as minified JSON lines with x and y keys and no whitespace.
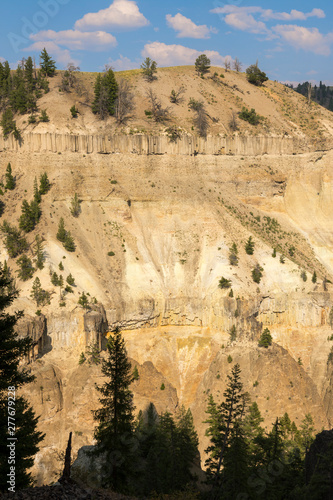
{"x":293,"y":15}
{"x":172,"y":55}
{"x":60,"y":55}
{"x":120,"y":14}
{"x":187,"y":28}
{"x":77,"y":40}
{"x":309,"y":39}
{"x":243,"y":18}
{"x":123,"y":63}
{"x":245,"y":22}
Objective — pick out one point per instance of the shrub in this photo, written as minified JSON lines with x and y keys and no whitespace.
{"x":249,"y":246}
{"x":224,"y":283}
{"x":282,"y":259}
{"x":231,"y":293}
{"x":135,"y":373}
{"x":291,"y":251}
{"x":314,"y":277}
{"x":111,"y":254}
{"x":249,"y":116}
{"x":229,"y":359}
{"x":304,"y":276}
{"x":162,"y":387}
{"x":255,"y":76}
{"x":32,"y":119}
{"x":61,"y":266}
{"x":44,"y":116}
{"x":74,"y":111}
{"x":82,"y":358}
{"x":70,"y":280}
{"x":176,"y":95}
{"x":173,"y":133}
{"x":265,"y":339}
{"x":274,"y":253}
{"x":233,"y":333}
{"x":257,"y":273}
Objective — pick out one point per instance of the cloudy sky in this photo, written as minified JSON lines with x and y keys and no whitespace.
{"x":292,"y":40}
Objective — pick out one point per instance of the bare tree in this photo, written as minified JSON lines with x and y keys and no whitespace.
{"x":103,"y":103}
{"x":233,"y":123}
{"x":309,"y":92}
{"x":176,"y":95}
{"x":124,"y":104}
{"x":227,"y":63}
{"x":159,"y":113}
{"x":237,"y":65}
{"x":201,"y":121}
{"x":69,"y":79}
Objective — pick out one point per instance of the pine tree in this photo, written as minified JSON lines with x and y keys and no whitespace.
{"x":12,"y":349}
{"x":47,"y":64}
{"x":62,"y":233}
{"x":44,"y":183}
{"x":37,"y":194}
{"x":70,"y":280}
{"x":106,"y":89}
{"x":15,"y":243}
{"x":265,"y":339}
{"x":225,"y":419}
{"x":249,"y":247}
{"x":10,"y":180}
{"x":314,"y":277}
{"x":38,"y":252}
{"x":42,"y":297}
{"x":29,"y":74}
{"x":26,"y":269}
{"x":115,"y":429}
{"x":69,"y":243}
{"x":149,"y":69}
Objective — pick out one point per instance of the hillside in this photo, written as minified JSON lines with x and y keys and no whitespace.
{"x":152,"y":242}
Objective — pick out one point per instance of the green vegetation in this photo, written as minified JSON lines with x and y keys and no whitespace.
{"x":265,"y":339}
{"x":249,"y":246}
{"x":74,"y":111}
{"x":44,"y":116}
{"x":233,"y":255}
{"x":249,"y":116}
{"x":149,"y":68}
{"x":47,"y":64}
{"x":10,"y":180}
{"x":224,"y":283}
{"x":255,"y":76}
{"x":106,"y":89}
{"x":15,"y":242}
{"x":257,"y":273}
{"x":40,"y":296}
{"x":202,"y":64}
{"x":26,"y":269}
{"x":75,"y":206}
{"x":44,"y":184}
{"x":83,"y":300}
{"x":65,"y":236}
{"x":314,"y":277}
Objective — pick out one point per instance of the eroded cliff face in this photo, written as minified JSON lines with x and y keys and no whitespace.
{"x":170,"y":221}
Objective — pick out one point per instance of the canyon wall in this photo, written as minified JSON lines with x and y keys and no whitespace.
{"x":149,"y":144}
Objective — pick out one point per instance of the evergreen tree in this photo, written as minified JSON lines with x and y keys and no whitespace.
{"x":249,"y":247}
{"x":115,"y":430}
{"x":15,"y":243}
{"x":41,"y":297}
{"x":8,"y":124}
{"x":29,"y":74}
{"x":233,"y":255}
{"x":47,"y":64}
{"x":44,"y":183}
{"x":70,"y":280}
{"x":10,"y":180}
{"x":106,"y":89}
{"x":38,"y":252}
{"x":69,"y":244}
{"x":226,"y":419}
{"x":202,"y":64}
{"x":37,"y":194}
{"x":26,"y":270}
{"x":314,"y":277}
{"x":12,"y":349}
{"x":149,"y":69}
{"x":75,"y":206}
{"x":62,"y":233}
{"x":30,"y":216}
{"x":265,"y":339}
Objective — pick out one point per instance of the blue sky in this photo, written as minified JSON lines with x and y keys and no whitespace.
{"x":293,"y":41}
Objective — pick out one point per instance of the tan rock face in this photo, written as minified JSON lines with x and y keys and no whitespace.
{"x":170,"y":221}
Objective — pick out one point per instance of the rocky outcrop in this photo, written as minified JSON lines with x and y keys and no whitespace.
{"x":36,"y":329}
{"x":159,"y":145}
